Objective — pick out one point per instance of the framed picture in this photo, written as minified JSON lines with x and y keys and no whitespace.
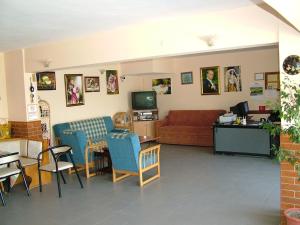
{"x":291,"y":65}
{"x":233,"y":82}
{"x":74,"y":89}
{"x":46,"y":81}
{"x":92,"y":84}
{"x":210,"y":80}
{"x":162,"y":86}
{"x":112,"y":84}
{"x":255,"y":91}
{"x":272,"y":80}
{"x":187,"y":78}
{"x":259,"y":76}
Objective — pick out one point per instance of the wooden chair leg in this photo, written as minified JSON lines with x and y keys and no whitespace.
{"x":141,"y":179}
{"x":114,"y":175}
{"x":158,"y":169}
{"x":121,"y":177}
{"x":87,"y":169}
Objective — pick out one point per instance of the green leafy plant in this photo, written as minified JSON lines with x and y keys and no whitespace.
{"x":289,"y":112}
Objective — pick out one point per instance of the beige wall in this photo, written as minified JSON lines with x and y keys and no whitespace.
{"x":14,"y":70}
{"x":96,"y":103}
{"x":182,"y":97}
{"x":3,"y":96}
{"x":189,"y":96}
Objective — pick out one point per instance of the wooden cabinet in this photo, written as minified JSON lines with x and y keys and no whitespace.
{"x":144,"y":128}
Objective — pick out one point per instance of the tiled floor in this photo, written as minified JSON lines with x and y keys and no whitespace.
{"x":196,"y":187}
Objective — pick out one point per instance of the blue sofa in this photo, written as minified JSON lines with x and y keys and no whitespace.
{"x":82,"y":135}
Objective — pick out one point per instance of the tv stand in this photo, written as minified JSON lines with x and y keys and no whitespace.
{"x":143,"y":122}
{"x":145,"y":114}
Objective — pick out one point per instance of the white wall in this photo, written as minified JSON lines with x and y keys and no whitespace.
{"x":3,"y":95}
{"x":289,"y":45}
{"x":96,"y":103}
{"x":189,"y":96}
{"x":235,"y":28}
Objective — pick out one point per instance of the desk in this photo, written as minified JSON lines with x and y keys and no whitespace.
{"x":242,"y":139}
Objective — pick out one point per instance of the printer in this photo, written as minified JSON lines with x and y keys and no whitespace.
{"x":227,"y":118}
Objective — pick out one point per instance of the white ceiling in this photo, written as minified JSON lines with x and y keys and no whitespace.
{"x":30,"y":22}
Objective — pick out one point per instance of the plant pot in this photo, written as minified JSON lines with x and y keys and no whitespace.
{"x":292,"y":216}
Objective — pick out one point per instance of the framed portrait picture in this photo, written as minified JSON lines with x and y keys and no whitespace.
{"x":92,"y":84}
{"x":210,"y":80}
{"x":259,"y":76}
{"x":74,"y":89}
{"x":46,"y":81}
{"x":232,"y":78}
{"x":187,"y":78}
{"x":112,"y":84}
{"x":272,"y":81}
{"x":162,"y":86}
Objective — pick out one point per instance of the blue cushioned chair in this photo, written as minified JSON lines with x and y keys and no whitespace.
{"x":129,"y":160}
{"x":85,"y":136}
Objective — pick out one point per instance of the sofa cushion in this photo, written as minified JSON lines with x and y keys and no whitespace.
{"x":93,"y":128}
{"x":193,"y":117}
{"x":186,"y":130}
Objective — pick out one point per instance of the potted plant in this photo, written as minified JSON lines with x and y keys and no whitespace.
{"x":289,"y":111}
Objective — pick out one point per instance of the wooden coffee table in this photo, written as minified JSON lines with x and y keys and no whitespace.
{"x":148,"y":139}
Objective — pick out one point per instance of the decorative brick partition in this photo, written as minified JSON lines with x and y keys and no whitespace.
{"x":31,"y":130}
{"x":289,"y":183}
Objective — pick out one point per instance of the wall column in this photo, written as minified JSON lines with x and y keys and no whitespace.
{"x":18,"y":97}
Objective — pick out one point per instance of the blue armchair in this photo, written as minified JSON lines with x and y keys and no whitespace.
{"x":129,"y":160}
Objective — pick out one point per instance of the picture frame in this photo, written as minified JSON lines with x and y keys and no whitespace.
{"x":187,"y":78}
{"x":112,"y":82}
{"x":232,"y":79}
{"x":92,"y":84}
{"x":256,"y":91}
{"x":162,"y":86}
{"x":272,"y":81}
{"x":74,"y":89}
{"x":46,"y":81}
{"x":210,"y":80}
{"x":259,"y":76}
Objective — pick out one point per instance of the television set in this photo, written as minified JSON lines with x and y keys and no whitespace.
{"x":143,"y":100}
{"x":241,"y":109}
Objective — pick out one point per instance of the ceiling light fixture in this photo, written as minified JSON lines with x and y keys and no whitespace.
{"x":208,"y":39}
{"x":46,"y":63}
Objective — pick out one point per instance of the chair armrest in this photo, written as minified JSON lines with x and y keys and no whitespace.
{"x":149,"y":156}
{"x":158,"y":124}
{"x":119,"y":130}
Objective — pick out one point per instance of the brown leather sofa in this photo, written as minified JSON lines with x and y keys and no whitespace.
{"x":188,"y":127}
